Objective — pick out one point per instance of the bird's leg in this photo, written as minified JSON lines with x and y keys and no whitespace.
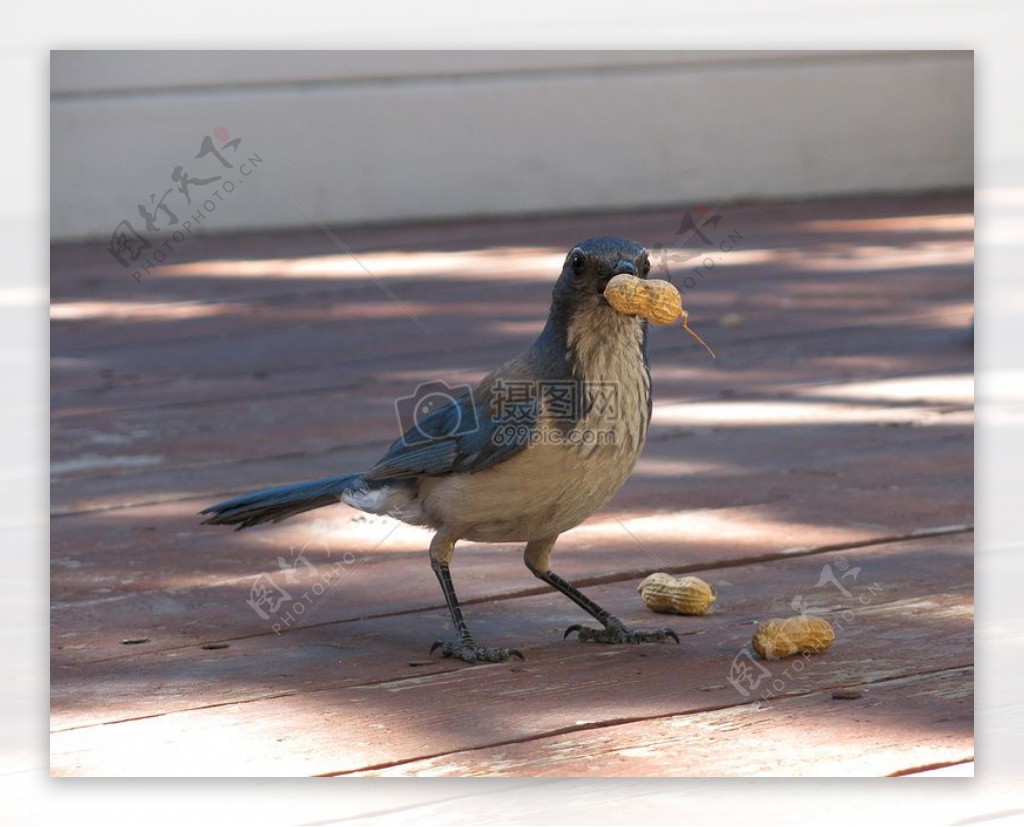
{"x":441,"y":549}
{"x":537,"y":557}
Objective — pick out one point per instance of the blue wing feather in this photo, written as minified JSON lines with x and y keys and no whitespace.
{"x":464,"y":436}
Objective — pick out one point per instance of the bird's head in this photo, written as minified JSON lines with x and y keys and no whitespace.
{"x":582,"y":321}
{"x":578,"y":296}
{"x":590,"y":265}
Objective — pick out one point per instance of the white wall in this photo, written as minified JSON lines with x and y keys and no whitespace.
{"x":371,"y":136}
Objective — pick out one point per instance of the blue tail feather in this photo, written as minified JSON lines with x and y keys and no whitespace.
{"x":272,"y":505}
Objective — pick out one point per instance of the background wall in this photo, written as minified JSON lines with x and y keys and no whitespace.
{"x":352,"y":137}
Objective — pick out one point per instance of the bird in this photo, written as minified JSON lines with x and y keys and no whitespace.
{"x":534,"y":449}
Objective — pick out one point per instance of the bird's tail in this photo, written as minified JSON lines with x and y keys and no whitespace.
{"x":272,"y":505}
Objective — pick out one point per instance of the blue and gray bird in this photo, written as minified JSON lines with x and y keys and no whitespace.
{"x":533,"y":450}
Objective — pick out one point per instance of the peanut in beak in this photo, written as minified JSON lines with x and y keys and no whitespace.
{"x":656,"y":300}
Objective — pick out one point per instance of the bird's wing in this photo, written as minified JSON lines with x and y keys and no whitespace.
{"x":470,"y":433}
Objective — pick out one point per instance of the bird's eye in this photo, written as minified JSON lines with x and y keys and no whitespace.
{"x":647,"y":265}
{"x":577,"y":260}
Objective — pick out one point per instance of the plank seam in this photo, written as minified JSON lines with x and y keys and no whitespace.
{"x":581,"y":583}
{"x":784,"y":696}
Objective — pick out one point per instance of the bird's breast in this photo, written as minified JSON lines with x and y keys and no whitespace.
{"x":572,"y":466}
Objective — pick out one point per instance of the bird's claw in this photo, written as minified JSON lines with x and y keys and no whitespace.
{"x":620,"y":633}
{"x":471,"y":653}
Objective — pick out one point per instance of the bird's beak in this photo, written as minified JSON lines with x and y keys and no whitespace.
{"x":621,"y":267}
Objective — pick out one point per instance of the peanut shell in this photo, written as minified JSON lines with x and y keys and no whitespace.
{"x":671,"y":595}
{"x":781,"y":637}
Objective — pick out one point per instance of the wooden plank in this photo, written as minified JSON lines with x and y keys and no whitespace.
{"x":163,"y":576}
{"x":350,"y":410}
{"x":429,"y":313}
{"x":317,"y":361}
{"x":912,"y":721}
{"x":837,"y":415}
{"x":222,"y":457}
{"x":85,"y":270}
{"x":149,"y":543}
{"x":362,"y":728}
{"x":804,"y":284}
{"x":890,"y":602}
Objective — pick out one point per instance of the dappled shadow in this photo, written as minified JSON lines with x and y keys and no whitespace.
{"x":358,"y":694}
{"x":838,"y":414}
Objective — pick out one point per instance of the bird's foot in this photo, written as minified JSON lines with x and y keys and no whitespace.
{"x":615,"y":631}
{"x":471,"y":653}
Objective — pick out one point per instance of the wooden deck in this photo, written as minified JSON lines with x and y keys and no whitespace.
{"x":822,"y":462}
